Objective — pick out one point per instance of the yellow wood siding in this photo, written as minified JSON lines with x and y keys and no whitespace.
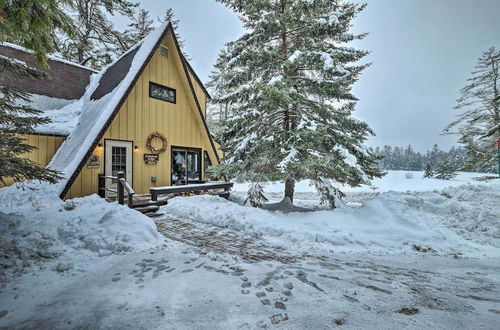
{"x":202,"y":97}
{"x":141,"y":116}
{"x":46,"y":148}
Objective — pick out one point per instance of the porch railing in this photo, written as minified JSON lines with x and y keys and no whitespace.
{"x":122,"y":186}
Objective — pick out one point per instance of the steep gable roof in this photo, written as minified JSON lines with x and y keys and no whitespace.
{"x":102,"y":101}
{"x":198,"y":80}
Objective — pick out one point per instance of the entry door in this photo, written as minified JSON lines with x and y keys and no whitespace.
{"x":118,"y":159}
{"x":186,"y":166}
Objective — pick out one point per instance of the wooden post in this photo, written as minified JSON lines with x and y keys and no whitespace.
{"x":154,"y":197}
{"x":119,"y":186}
{"x":130,"y":200}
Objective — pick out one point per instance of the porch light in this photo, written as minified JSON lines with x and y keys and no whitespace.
{"x":136,"y":148}
{"x":100,"y":146}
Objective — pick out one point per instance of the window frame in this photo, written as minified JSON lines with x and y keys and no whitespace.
{"x":151,"y":84}
{"x":186,"y":151}
{"x":206,"y":157}
{"x":163,"y":47}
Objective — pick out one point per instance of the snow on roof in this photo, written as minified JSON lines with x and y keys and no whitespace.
{"x":96,"y":111}
{"x":51,"y":57}
{"x":63,"y":114}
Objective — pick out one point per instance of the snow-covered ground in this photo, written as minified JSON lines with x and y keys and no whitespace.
{"x":416,"y":255}
{"x":392,"y":181}
{"x":452,"y":221}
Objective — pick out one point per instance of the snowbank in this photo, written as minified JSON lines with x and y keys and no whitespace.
{"x":457,"y":221}
{"x":35,"y":226}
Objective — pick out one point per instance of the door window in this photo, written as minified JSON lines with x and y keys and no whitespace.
{"x":118,"y":160}
{"x":186,"y":166}
{"x":193,"y":170}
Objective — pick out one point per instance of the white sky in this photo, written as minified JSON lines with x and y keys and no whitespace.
{"x":422,"y":52}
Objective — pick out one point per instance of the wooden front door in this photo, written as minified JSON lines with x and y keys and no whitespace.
{"x":118,"y":158}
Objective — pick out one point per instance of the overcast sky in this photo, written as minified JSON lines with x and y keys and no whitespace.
{"x":422,"y":52}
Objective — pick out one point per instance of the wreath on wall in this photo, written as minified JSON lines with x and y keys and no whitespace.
{"x":160,"y":137}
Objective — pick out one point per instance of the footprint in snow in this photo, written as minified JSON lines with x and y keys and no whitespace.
{"x":279,"y":305}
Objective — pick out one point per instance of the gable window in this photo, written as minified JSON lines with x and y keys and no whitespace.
{"x":164,"y":51}
{"x":163,"y":93}
{"x":207,"y":162}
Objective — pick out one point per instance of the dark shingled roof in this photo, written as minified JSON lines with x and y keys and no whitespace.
{"x":114,"y":75}
{"x":66,"y":80}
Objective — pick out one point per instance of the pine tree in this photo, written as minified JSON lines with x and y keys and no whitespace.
{"x":256,"y":195}
{"x":140,"y":27}
{"x":170,"y":18}
{"x":290,"y":97}
{"x":95,"y":41}
{"x":478,"y":124}
{"x":445,"y":170}
{"x":436,"y":155}
{"x":218,"y":112}
{"x":31,"y":24}
{"x":428,"y":171}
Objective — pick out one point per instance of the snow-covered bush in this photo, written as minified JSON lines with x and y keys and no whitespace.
{"x":409,"y":175}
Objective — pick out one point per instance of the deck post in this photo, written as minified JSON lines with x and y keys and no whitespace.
{"x":154,"y":196}
{"x":130,"y":200}
{"x":119,"y":186}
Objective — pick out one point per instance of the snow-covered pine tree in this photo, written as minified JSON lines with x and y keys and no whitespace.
{"x":169,"y":17}
{"x":255,"y":194}
{"x":435,"y":155}
{"x":95,"y":41}
{"x":329,"y":195}
{"x":31,"y":24}
{"x":140,"y":27}
{"x":428,"y":171}
{"x":478,"y":124}
{"x":291,"y":79}
{"x":218,"y":112}
{"x":445,"y":170}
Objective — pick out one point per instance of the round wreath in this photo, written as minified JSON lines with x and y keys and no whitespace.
{"x":156,"y":135}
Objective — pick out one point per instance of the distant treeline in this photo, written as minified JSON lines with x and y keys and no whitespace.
{"x":398,"y":158}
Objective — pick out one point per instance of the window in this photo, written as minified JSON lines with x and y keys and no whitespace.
{"x":206,"y":162}
{"x":163,"y":93}
{"x":164,"y":51}
{"x":186,"y":166}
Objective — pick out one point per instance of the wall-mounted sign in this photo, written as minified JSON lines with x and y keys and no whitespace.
{"x":151,"y":159}
{"x":94,"y":162}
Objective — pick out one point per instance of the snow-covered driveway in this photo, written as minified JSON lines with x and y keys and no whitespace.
{"x":208,"y":279}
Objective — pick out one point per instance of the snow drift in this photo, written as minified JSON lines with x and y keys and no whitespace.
{"x":36,"y":227}
{"x":456,"y":221}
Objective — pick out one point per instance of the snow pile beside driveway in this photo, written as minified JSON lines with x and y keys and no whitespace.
{"x":36,"y":227}
{"x":457,"y":221}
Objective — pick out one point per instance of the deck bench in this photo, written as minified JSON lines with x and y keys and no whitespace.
{"x":156,"y":191}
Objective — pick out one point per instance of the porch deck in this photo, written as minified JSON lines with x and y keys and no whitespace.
{"x":156,"y":191}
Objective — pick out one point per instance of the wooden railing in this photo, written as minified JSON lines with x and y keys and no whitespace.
{"x":121,"y":186}
{"x":156,"y":191}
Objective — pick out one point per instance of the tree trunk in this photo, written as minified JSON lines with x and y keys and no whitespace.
{"x":290,"y":189}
